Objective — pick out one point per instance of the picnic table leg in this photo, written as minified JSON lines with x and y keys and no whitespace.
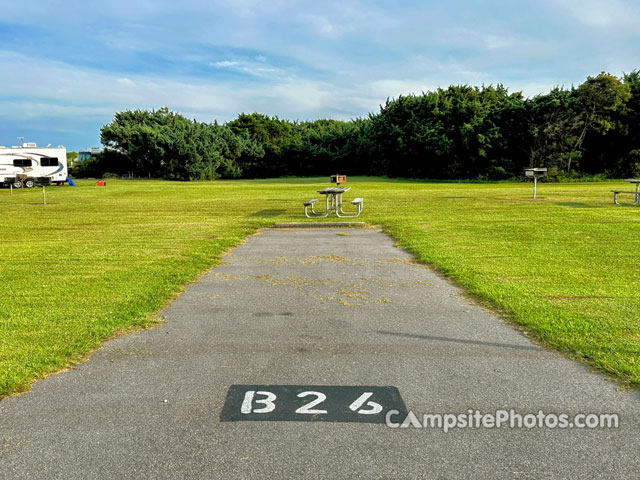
{"x":334,"y":202}
{"x":326,"y":211}
{"x":315,"y":214}
{"x":349,"y":214}
{"x":341,"y":213}
{"x":342,"y":210}
{"x":345,"y":214}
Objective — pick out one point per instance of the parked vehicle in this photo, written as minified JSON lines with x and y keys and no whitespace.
{"x":28,"y":165}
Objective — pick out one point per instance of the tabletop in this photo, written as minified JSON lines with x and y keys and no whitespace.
{"x":334,"y":190}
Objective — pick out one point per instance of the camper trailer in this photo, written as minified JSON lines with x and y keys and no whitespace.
{"x":28,"y":165}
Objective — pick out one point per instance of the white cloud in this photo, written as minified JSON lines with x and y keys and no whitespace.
{"x":224,"y":64}
{"x":481,"y":39}
{"x":256,"y":69}
{"x":30,"y":110}
{"x":307,"y":96}
{"x":393,"y":88}
{"x":323,"y":26}
{"x":494,"y":42}
{"x":539,"y":87}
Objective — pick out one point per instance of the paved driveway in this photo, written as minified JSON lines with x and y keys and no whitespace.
{"x":285,"y":363}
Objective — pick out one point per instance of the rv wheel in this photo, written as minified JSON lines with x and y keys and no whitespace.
{"x":29,"y":183}
{"x":17,"y":185}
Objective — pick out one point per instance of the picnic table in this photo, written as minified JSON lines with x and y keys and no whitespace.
{"x":333,"y":204}
{"x":635,"y":193}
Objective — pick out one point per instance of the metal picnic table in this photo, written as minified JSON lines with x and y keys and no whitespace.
{"x":333,"y":201}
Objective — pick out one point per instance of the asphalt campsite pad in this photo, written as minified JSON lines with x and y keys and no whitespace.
{"x":284,"y":362}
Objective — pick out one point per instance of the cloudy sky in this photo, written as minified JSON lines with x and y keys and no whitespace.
{"x":67,"y":66}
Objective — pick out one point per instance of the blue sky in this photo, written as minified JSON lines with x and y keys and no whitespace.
{"x":68,"y":66}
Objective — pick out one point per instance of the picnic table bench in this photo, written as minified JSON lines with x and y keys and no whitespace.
{"x":636,"y":193}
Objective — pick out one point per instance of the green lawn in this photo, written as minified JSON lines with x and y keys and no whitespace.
{"x":95,"y":261}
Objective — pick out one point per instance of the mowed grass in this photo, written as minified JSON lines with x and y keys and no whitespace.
{"x":96,"y":261}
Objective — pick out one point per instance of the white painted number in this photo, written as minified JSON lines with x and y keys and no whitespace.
{"x":320,"y":397}
{"x":247,"y":403}
{"x":375,"y":407}
{"x":267,"y":403}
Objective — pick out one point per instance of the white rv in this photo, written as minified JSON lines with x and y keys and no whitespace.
{"x":29,"y":165}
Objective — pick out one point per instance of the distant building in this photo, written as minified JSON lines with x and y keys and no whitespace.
{"x":84,"y":155}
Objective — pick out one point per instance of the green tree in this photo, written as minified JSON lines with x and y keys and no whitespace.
{"x":599,"y":97}
{"x":276,"y":138}
{"x":165,"y":144}
{"x":452,"y":133}
{"x":552,"y":123}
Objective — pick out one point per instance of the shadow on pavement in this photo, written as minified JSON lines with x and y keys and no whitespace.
{"x":457,"y":340}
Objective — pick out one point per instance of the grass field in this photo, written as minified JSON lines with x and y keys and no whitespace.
{"x":95,"y":261}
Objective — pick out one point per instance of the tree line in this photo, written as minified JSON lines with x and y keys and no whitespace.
{"x":459,"y":132}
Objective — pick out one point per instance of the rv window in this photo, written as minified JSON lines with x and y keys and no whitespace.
{"x":22,"y":162}
{"x":49,"y":162}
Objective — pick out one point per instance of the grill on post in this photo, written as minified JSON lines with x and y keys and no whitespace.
{"x":535,"y":173}
{"x":338,"y":179}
